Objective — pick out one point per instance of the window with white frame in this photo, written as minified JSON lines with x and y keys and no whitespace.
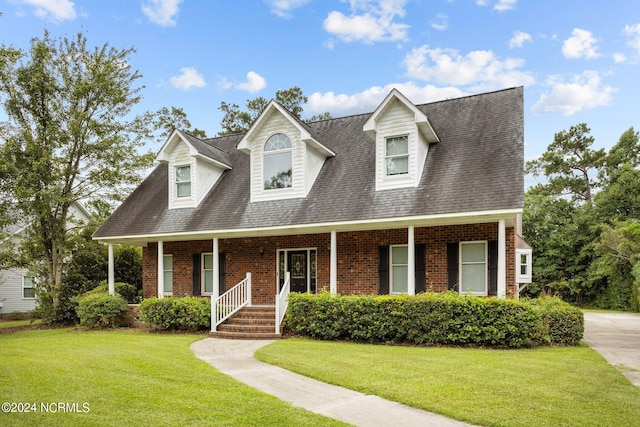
{"x":524,"y":265}
{"x":473,"y":268}
{"x":183,"y":181}
{"x":207,"y":274}
{"x":397,"y":155}
{"x":277,"y":162}
{"x":399,"y":271}
{"x":28,"y":291}
{"x":167,"y":273}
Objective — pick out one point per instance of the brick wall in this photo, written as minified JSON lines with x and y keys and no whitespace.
{"x":357,"y":258}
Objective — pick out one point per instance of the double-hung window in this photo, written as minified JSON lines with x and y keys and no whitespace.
{"x":399,"y":271}
{"x":28,"y":291}
{"x":207,"y":274}
{"x":183,"y":181}
{"x":473,"y":268}
{"x":277,"y":162}
{"x":397,"y":155}
{"x":167,"y":271}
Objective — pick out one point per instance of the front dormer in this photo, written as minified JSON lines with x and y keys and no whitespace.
{"x":194,"y":168}
{"x":402,"y":134}
{"x":285,"y":158}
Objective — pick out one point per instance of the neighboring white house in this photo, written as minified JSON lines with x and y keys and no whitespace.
{"x":17,"y":286}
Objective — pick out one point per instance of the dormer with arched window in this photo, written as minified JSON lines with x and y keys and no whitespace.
{"x":285,"y":158}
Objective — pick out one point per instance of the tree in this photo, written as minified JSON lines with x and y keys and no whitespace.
{"x":626,"y":152}
{"x":166,"y":120}
{"x":66,"y":138}
{"x":238,"y":121}
{"x":569,"y":164}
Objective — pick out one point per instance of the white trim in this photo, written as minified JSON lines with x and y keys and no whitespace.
{"x":216,"y":271}
{"x":160,"y":272}
{"x":111,"y":272}
{"x":461,"y":289}
{"x":411,"y":267}
{"x":333,"y":267}
{"x":502,"y":260}
{"x":325,"y":227}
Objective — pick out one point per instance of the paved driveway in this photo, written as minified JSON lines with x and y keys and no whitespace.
{"x":616,"y":336}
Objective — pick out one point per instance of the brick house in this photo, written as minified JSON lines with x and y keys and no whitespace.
{"x":407,"y":199}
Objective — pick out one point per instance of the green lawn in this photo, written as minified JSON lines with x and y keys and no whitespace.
{"x":550,"y":386}
{"x":13,"y":323}
{"x":128,"y":378}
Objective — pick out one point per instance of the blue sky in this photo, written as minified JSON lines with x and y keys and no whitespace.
{"x":578,"y":61}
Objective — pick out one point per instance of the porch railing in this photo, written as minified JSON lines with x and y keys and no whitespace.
{"x":281,"y":301}
{"x":230,"y":302}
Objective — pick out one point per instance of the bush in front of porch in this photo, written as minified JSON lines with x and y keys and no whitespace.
{"x":177,"y":314}
{"x":434,"y":319}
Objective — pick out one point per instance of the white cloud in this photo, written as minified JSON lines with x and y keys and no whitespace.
{"x":583,"y":92}
{"x":161,"y":12}
{"x":500,"y":6}
{"x":189,"y":78}
{"x":633,"y":31}
{"x":283,"y":8}
{"x":440,"y":23}
{"x":369,"y":21}
{"x":518,"y":39}
{"x":581,"y":44}
{"x":55,"y":10}
{"x":369,"y":99}
{"x":619,"y":58}
{"x":479,"y":70}
{"x":255,"y":83}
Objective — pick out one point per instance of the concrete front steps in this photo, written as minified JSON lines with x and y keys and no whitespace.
{"x":257,"y":322}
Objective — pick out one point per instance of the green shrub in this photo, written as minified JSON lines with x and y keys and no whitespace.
{"x":17,"y":315}
{"x":433,"y":319}
{"x":563,"y":323}
{"x":125,"y":290}
{"x":177,"y":314}
{"x":98,"y":310}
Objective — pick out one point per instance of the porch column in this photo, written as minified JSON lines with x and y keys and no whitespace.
{"x":333,"y":277}
{"x":111,"y":272}
{"x":160,"y":269}
{"x":216,"y":285}
{"x":411,"y":267}
{"x":502,"y":259}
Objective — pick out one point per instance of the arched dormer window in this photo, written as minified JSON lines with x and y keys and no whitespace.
{"x":277,"y":165}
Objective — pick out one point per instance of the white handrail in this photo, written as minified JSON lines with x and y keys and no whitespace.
{"x":227,"y":304}
{"x":281,"y":301}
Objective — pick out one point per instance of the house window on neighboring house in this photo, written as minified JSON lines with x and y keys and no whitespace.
{"x":473,"y":268}
{"x":277,"y":165}
{"x":207,"y":274}
{"x":183,"y":181}
{"x":397,"y":155}
{"x":167,"y":261}
{"x":28,"y":291}
{"x":399,"y":271}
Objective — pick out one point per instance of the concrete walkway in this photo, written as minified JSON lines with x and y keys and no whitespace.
{"x":236,"y":359}
{"x":616,"y":336}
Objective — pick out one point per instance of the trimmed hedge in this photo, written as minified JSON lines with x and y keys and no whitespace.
{"x":433,"y":319}
{"x":177,"y":314}
{"x":99,"y":310}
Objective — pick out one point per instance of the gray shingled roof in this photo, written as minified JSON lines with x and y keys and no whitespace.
{"x":477,"y":166}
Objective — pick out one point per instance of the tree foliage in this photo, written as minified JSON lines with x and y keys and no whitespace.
{"x":239,"y":121}
{"x":67,"y":138}
{"x":583,"y":230}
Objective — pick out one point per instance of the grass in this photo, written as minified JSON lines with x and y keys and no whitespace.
{"x":14,"y":323}
{"x":555,"y":386}
{"x":129,"y":378}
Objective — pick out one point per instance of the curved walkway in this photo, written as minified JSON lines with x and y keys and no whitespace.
{"x":236,"y":359}
{"x":616,"y":336}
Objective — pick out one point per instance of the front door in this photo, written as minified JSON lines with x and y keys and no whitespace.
{"x":297,"y":261}
{"x":301,"y":264}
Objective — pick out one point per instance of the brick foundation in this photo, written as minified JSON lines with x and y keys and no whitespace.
{"x":357,"y":258}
